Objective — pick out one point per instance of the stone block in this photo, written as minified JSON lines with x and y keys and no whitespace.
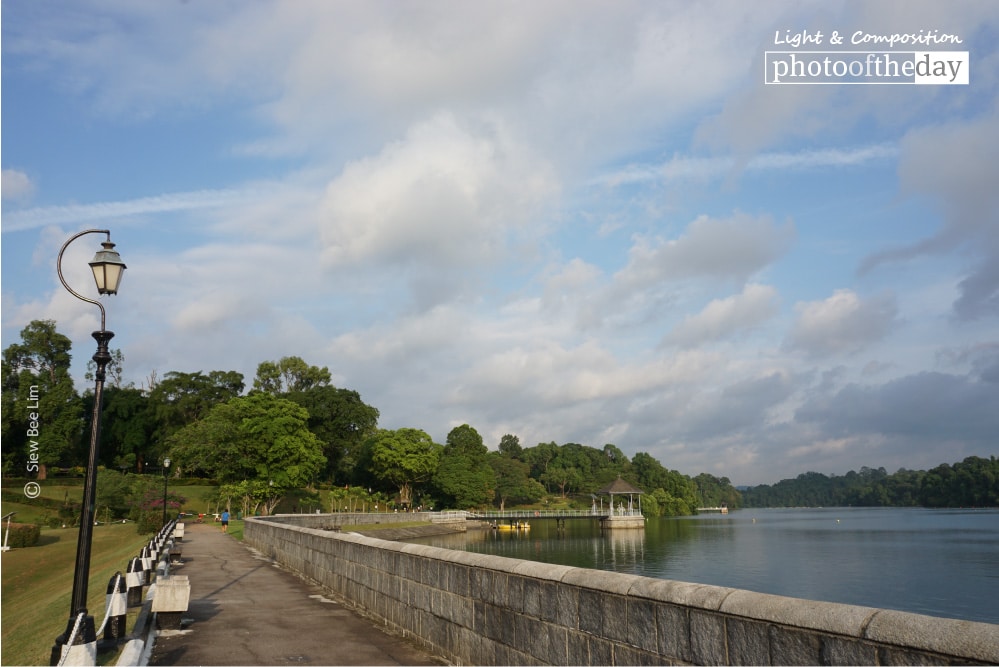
{"x":531,"y":592}
{"x":840,"y":651}
{"x":549,"y":644}
{"x":629,"y":655}
{"x":794,"y":647}
{"x":173,"y":594}
{"x":600,"y":580}
{"x":830,"y":617}
{"x":707,"y":639}
{"x":642,"y":625}
{"x":548,"y":571}
{"x":591,"y":611}
{"x":970,"y":641}
{"x":748,"y":642}
{"x":579,"y":650}
{"x":615,"y":618}
{"x":673,"y":632}
{"x":566,"y":607}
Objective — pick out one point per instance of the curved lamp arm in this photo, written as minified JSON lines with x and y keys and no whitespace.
{"x":63,"y":280}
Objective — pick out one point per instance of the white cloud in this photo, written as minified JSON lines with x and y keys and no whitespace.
{"x":842,"y":323}
{"x":952,"y":166}
{"x":732,"y":248}
{"x":449,"y":227}
{"x":16,"y":186}
{"x":74,"y":214}
{"x":683,"y":167}
{"x":726,"y":317}
{"x":445,"y":196}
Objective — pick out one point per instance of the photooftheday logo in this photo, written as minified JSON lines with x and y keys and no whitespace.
{"x":867,"y":67}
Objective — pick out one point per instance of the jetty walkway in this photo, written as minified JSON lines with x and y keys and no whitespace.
{"x":247,"y":610}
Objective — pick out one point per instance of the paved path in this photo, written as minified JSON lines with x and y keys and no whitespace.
{"x":249,"y":611}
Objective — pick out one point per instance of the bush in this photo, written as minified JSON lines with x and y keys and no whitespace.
{"x":22,"y":535}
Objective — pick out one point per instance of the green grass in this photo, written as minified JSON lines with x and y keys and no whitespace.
{"x":37,"y":584}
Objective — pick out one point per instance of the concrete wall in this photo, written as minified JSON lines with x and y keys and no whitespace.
{"x":489,"y":610}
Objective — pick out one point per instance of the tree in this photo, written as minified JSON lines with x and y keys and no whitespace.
{"x":290,"y":374}
{"x":513,"y":482}
{"x":403,"y":458}
{"x":564,"y":478}
{"x":464,"y":477}
{"x":180,"y":399}
{"x":42,"y":413}
{"x":509,"y":446}
{"x":114,"y":371}
{"x":715,"y":492}
{"x":256,"y":437}
{"x":539,"y":457}
{"x":341,"y":421}
{"x":128,"y":426}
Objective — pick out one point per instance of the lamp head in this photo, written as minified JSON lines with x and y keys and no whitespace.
{"x":166,"y":463}
{"x":108,"y":268}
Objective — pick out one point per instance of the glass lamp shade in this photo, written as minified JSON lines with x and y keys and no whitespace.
{"x":108,"y":268}
{"x":166,"y":463}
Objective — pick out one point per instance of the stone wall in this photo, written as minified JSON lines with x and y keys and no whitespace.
{"x":489,"y":610}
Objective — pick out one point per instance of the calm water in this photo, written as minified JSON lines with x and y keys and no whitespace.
{"x":936,"y":562}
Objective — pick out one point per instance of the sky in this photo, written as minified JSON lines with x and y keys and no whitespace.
{"x":570,"y":221}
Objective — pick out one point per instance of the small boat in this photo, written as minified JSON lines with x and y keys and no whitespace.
{"x":520,"y":525}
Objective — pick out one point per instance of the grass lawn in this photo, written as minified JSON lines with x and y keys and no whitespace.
{"x":37,"y":584}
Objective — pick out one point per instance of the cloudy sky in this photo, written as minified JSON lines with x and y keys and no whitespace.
{"x":574,"y":221}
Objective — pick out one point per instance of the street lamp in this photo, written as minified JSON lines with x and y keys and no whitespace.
{"x":166,"y":471}
{"x":79,"y":642}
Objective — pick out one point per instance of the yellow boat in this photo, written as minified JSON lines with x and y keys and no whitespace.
{"x":513,"y":526}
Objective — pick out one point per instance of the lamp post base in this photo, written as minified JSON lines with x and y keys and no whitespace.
{"x":83,"y":650}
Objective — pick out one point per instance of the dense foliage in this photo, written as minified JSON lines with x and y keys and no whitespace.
{"x":293,"y":429}
{"x":973,"y":482}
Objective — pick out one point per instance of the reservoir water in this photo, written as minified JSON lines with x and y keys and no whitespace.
{"x":935,"y":562}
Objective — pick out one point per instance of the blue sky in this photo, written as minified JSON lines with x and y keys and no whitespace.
{"x":574,"y":221}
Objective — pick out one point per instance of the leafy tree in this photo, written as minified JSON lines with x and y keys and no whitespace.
{"x":565,"y":479}
{"x":539,"y":457}
{"x":662,"y":503}
{"x":180,"y":399}
{"x":513,"y":482}
{"x":114,"y":493}
{"x":41,"y":413}
{"x":290,"y":374}
{"x":403,"y":458}
{"x":715,"y":492}
{"x":341,"y":421}
{"x":509,"y":446}
{"x":257,"y":437}
{"x":463,"y":477}
{"x":127,"y":426}
{"x":114,"y":371}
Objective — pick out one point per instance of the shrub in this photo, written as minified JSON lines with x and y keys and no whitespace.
{"x":22,"y":535}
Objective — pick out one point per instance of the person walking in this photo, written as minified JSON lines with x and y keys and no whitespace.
{"x":225,"y":521}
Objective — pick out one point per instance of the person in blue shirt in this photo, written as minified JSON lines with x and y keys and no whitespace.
{"x":225,"y":521}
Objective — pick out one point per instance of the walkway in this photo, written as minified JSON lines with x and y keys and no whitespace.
{"x":248,"y":611}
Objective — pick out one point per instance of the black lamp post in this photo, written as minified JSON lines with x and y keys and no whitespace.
{"x":80,"y":632}
{"x":166,"y":473}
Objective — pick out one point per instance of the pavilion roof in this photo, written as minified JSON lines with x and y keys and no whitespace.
{"x":620,"y":486}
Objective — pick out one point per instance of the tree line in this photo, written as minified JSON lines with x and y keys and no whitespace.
{"x":293,"y":429}
{"x":973,"y":482}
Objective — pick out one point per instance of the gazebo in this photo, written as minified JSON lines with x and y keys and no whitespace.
{"x":621,"y":517}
